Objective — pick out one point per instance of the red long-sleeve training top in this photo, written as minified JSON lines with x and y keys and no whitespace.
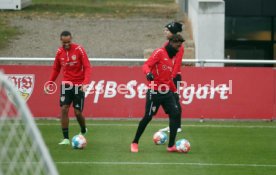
{"x":74,"y":63}
{"x":178,"y":60}
{"x":161,"y":66}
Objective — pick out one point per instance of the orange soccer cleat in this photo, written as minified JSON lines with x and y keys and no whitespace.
{"x":134,"y":147}
{"x":172,"y":149}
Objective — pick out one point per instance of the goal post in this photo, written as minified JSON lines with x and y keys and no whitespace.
{"x":22,"y":149}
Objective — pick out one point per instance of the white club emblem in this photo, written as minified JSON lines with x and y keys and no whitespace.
{"x":23,"y":83}
{"x":74,"y":57}
{"x":153,"y":108}
{"x":62,"y":98}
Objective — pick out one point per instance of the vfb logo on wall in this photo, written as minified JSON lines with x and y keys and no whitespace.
{"x":24,"y":83}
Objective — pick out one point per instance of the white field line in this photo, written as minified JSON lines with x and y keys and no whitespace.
{"x":162,"y":125}
{"x":170,"y":163}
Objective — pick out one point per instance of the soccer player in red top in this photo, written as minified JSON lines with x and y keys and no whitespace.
{"x":158,"y":69}
{"x":171,"y":29}
{"x":72,"y":59}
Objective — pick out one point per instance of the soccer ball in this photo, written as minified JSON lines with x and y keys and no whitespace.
{"x":79,"y":142}
{"x":183,"y":145}
{"x":160,"y":138}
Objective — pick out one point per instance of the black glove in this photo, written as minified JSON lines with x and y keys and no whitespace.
{"x":176,"y":96}
{"x":150,"y":77}
{"x":176,"y":79}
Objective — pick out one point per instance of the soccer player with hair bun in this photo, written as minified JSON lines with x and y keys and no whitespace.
{"x":171,"y":29}
{"x":162,"y":91}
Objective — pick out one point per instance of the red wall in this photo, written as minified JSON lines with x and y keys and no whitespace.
{"x":252,"y":95}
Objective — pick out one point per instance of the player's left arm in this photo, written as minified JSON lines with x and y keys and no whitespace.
{"x":178,"y":62}
{"x":172,"y":86}
{"x":86,"y":67}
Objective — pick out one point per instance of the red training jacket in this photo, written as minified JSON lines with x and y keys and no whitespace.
{"x":161,"y":66}
{"x":177,"y":61}
{"x":75,"y":64}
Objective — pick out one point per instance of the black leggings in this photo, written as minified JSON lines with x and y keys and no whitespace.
{"x":153,"y":102}
{"x":178,"y":78}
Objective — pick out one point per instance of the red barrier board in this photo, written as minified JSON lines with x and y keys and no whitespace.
{"x":217,"y":93}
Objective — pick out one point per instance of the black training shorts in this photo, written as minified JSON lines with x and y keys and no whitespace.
{"x":155,"y":99}
{"x":71,"y":94}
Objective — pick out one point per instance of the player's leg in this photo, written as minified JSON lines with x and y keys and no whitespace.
{"x":173,"y":123}
{"x":172,"y":110}
{"x":176,"y":81}
{"x":179,"y":113}
{"x":81,"y":121}
{"x":179,"y":129}
{"x":65,"y":101}
{"x":151,"y":109}
{"x":78,"y":103}
{"x":65,"y":121}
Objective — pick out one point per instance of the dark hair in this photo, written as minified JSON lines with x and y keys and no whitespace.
{"x":65,"y":33}
{"x":176,"y":38}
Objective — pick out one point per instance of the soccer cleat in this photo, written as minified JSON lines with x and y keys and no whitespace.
{"x":178,"y":130}
{"x":167,"y":129}
{"x":172,"y":149}
{"x":134,"y":148}
{"x":65,"y":142}
{"x":83,"y":134}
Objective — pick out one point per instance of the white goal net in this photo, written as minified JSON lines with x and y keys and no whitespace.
{"x":22,"y":150}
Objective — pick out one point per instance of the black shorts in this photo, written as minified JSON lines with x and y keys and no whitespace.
{"x":155,"y":100}
{"x":74,"y":94}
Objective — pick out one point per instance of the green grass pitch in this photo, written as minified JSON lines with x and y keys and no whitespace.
{"x":217,"y":148}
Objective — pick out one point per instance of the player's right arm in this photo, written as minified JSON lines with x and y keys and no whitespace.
{"x":150,"y":63}
{"x":56,"y":67}
{"x":55,"y":71}
{"x":153,"y":59}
